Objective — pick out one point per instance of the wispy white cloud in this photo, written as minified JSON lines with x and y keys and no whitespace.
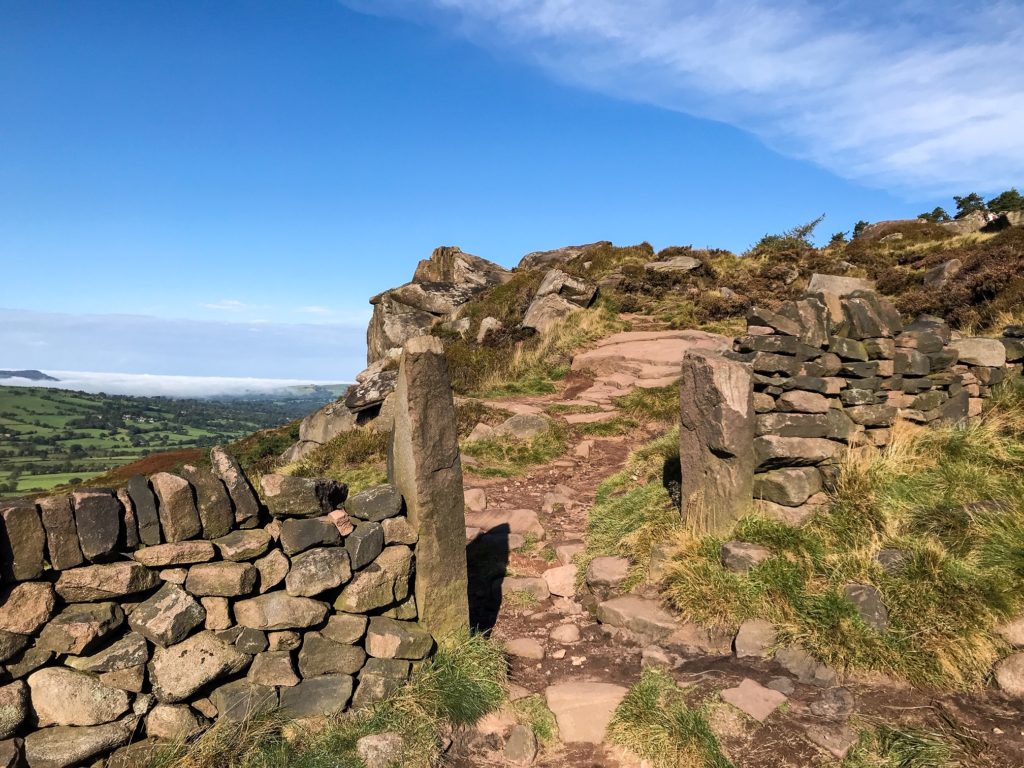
{"x":146,"y":384}
{"x":316,"y":310}
{"x":227,"y":305}
{"x":922,"y":96}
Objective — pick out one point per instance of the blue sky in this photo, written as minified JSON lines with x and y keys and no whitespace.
{"x":180,"y":176}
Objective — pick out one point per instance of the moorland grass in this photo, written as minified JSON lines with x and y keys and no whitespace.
{"x":357,"y":458}
{"x":655,"y":722}
{"x":465,"y":680}
{"x":508,"y":456}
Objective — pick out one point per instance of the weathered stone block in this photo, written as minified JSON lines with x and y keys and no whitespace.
{"x":380,"y":584}
{"x":105,"y":582}
{"x":322,"y":656}
{"x":243,"y":545}
{"x":179,"y":518}
{"x":130,"y":651}
{"x":425,"y":468}
{"x":80,"y":628}
{"x":22,"y":541}
{"x":241,"y":699}
{"x":375,"y":504}
{"x":178,"y":553}
{"x":278,"y":610}
{"x":790,"y":487}
{"x":221,"y":579}
{"x":216,"y":514}
{"x":772,"y":451}
{"x":317,"y":696}
{"x":146,"y":516}
{"x":364,"y":544}
{"x":179,"y":671}
{"x":390,"y":639}
{"x":58,"y":520}
{"x":273,"y":568}
{"x":298,"y":535}
{"x":318,"y":570}
{"x":289,"y":496}
{"x":24,"y":608}
{"x":65,"y":746}
{"x":978,"y":351}
{"x":717,"y":430}
{"x":62,"y":696}
{"x":168,"y":616}
{"x":247,"y":506}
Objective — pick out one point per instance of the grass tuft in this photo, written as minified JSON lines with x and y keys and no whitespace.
{"x":655,"y":722}
{"x":507,"y":456}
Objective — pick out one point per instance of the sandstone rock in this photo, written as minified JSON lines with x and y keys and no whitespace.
{"x":380,"y":584}
{"x":378,"y":679}
{"x":1012,"y":632}
{"x":838,"y":285}
{"x":390,"y":639}
{"x":674,"y":265}
{"x":24,"y":608}
{"x":375,"y":504}
{"x":561,"y":581}
{"x":273,"y":668}
{"x":300,"y":535}
{"x":565,"y":553}
{"x":98,"y":519}
{"x":177,"y":672}
{"x":364,"y":544}
{"x":772,"y":451}
{"x":566,"y":634}
{"x":168,"y":616}
{"x":381,"y":750}
{"x":425,"y":469}
{"x":833,"y":424}
{"x":741,"y":556}
{"x":63,"y":747}
{"x":583,"y":709}
{"x":22,"y":541}
{"x":58,"y":520}
{"x":174,"y":722}
{"x":607,"y":571}
{"x":130,"y":679}
{"x":174,"y":576}
{"x":318,"y":570}
{"x":833,"y":704}
{"x":868,"y":601}
{"x":370,"y":392}
{"x":805,"y":667}
{"x":239,"y":546}
{"x":62,"y":696}
{"x":80,"y":628}
{"x":1009,"y":675}
{"x":147,"y":518}
{"x":979,"y":351}
{"x":13,"y":708}
{"x":221,"y":579}
{"x":398,"y":531}
{"x":475,"y":500}
{"x":94,"y":583}
{"x":525,"y":648}
{"x":278,"y":610}
{"x":179,"y":553}
{"x":547,"y":311}
{"x":753,"y":699}
{"x":288,"y":496}
{"x":480,"y":432}
{"x":838,"y":740}
{"x":638,"y":614}
{"x":247,"y":506}
{"x":755,"y":638}
{"x":27,"y":662}
{"x":241,"y":699}
{"x":716,"y":430}
{"x":316,"y":696}
{"x":216,"y":514}
{"x":803,"y":402}
{"x":179,"y":517}
{"x":283,"y":641}
{"x":273,"y":568}
{"x":790,"y":487}
{"x":130,"y":651}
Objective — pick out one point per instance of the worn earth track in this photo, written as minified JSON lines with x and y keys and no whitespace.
{"x":562,"y":495}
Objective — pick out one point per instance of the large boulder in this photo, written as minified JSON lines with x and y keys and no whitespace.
{"x":426,"y":469}
{"x":370,"y":392}
{"x":716,"y":440}
{"x":62,"y":696}
{"x":558,"y":255}
{"x":558,"y":296}
{"x":179,"y":671}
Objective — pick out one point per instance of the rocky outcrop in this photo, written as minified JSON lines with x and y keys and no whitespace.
{"x":557,"y":297}
{"x":558,"y":256}
{"x":441,"y":284}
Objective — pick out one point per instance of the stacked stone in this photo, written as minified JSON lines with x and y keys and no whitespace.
{"x":151,"y":611}
{"x":831,"y":372}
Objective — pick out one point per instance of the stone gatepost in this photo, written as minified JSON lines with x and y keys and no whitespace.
{"x":716,"y":440}
{"x":426,"y":468}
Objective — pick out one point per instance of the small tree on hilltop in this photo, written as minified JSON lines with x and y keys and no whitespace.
{"x":1010,"y":200}
{"x":839,"y":238}
{"x":859,"y":227}
{"x":968,"y":204}
{"x":937,"y":216}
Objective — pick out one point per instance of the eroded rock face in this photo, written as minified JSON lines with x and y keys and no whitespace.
{"x":558,"y":296}
{"x":715,"y":440}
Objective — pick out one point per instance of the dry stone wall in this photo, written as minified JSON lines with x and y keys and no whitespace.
{"x":832,"y":371}
{"x":150,"y":611}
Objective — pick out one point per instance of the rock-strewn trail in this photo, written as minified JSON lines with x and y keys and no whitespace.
{"x":766,"y":710}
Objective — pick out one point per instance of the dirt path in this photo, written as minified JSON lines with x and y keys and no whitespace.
{"x":539,"y":517}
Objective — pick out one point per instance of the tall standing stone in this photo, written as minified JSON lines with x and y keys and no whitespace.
{"x":715,"y":440}
{"x":179,"y":518}
{"x":215,"y":510}
{"x":98,"y":516}
{"x":425,"y":467}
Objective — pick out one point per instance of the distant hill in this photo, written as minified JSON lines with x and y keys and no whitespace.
{"x":51,"y":437}
{"x":30,"y":375}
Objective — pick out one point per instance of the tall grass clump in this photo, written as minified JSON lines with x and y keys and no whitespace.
{"x":358,"y":458}
{"x":508,"y":456}
{"x":634,"y":509}
{"x":950,"y":500}
{"x":655,"y":722}
{"x":464,"y":680}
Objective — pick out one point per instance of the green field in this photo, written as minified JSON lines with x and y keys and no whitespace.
{"x":52,"y":437}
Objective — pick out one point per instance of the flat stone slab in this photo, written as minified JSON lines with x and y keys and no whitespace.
{"x":583,"y":710}
{"x":752,"y":698}
{"x":521,"y":521}
{"x":638,"y":351}
{"x":639,"y":614}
